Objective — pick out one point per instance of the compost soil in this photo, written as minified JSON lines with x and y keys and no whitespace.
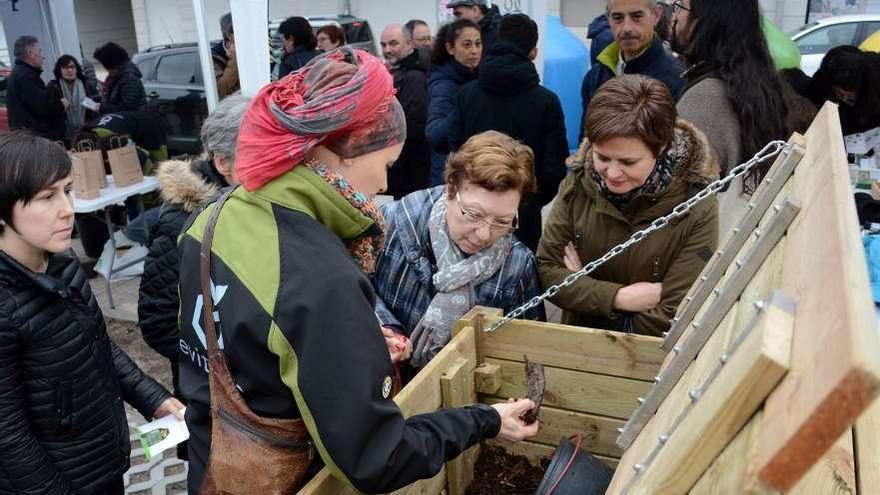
{"x":535,"y":384}
{"x":498,"y":471}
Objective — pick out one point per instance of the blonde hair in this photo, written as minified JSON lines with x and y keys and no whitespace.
{"x":493,"y":161}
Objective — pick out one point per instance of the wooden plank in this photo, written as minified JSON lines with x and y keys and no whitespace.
{"x":423,"y":394}
{"x":575,"y":390}
{"x":867,"y":449}
{"x":538,"y":452}
{"x":834,"y":473}
{"x":777,"y":177}
{"x":747,"y":266}
{"x":721,"y":408}
{"x":732,"y":472}
{"x":458,"y":390}
{"x":700,"y":370}
{"x":599,"y":431}
{"x":431,"y":486}
{"x":487,"y":378}
{"x":835,"y":365}
{"x":576,"y":348}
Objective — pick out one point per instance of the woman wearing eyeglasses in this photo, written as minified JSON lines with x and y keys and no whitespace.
{"x":450,"y":248}
{"x":638,"y":162}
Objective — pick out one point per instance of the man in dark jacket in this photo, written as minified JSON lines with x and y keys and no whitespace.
{"x":489,"y":18}
{"x":508,"y":97}
{"x":600,"y":36}
{"x":636,"y":50}
{"x":123,"y":89}
{"x":410,"y":171}
{"x":30,"y":105}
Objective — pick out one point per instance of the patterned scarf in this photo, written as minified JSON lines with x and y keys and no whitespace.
{"x":456,"y":276}
{"x":657,"y":182}
{"x":76,"y":113}
{"x":343,"y":100}
{"x":364,"y":249}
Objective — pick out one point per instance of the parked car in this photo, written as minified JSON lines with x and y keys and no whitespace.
{"x":175,"y":90}
{"x":817,"y":38}
{"x":4,"y":116}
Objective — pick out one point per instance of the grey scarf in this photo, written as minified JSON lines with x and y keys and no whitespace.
{"x":76,"y":114}
{"x":454,"y":281}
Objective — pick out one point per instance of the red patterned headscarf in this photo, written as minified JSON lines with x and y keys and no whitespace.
{"x":343,"y":100}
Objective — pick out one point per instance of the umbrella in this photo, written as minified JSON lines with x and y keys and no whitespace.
{"x":872,"y":44}
{"x":785,"y":54}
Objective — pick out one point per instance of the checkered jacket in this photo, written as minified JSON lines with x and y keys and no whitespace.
{"x":403,"y":277}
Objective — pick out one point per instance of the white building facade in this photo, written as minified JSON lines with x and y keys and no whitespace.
{"x":140,"y":24}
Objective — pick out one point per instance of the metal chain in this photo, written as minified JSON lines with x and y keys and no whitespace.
{"x":770,"y":151}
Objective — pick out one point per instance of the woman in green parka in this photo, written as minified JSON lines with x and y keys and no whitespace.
{"x":637,"y":163}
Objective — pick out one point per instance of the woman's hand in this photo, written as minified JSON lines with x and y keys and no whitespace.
{"x":170,"y":406}
{"x":638,"y":298}
{"x":65,"y":103}
{"x":513,"y":428}
{"x":571,"y":258}
{"x":399,"y":346}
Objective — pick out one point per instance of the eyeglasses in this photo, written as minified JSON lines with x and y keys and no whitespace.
{"x":679,"y":5}
{"x":424,"y":38}
{"x":474,"y":218}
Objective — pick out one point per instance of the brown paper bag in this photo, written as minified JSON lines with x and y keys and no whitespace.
{"x":88,"y":172}
{"x":124,"y":163}
{"x":86,"y":183}
{"x":91,"y":154}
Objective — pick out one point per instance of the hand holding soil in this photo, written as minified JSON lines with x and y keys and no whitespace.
{"x":513,"y":427}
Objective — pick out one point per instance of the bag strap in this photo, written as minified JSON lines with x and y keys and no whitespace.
{"x":211,"y":337}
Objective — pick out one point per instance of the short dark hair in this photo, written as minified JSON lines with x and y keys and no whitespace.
{"x":449,"y":33}
{"x":28,"y":164}
{"x":632,"y":106}
{"x":520,"y":30}
{"x":300,"y":30}
{"x":410,"y":26}
{"x":64,"y":61}
{"x":111,"y":55}
{"x":226,"y":26}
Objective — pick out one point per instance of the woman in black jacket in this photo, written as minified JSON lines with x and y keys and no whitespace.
{"x":123,"y":89}
{"x":63,"y":428}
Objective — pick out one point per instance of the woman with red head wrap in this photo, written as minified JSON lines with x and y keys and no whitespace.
{"x":290,"y":256}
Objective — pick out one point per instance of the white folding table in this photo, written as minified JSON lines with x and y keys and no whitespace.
{"x":112,"y":195}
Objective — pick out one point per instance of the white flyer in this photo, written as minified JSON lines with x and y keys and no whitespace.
{"x":161,"y":434}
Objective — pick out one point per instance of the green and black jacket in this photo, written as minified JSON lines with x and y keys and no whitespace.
{"x":298,"y":327}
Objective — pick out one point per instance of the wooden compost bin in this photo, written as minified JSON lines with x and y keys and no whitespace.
{"x":594,"y":378}
{"x":765,"y":383}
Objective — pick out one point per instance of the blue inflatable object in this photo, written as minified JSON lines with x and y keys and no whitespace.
{"x":566,"y":61}
{"x":872,"y":253}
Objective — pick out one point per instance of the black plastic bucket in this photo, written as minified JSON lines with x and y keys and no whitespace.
{"x":574,"y":471}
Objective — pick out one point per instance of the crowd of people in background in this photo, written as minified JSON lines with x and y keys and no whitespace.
{"x":474,"y":148}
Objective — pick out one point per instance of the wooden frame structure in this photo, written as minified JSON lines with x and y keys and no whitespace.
{"x":764,"y":384}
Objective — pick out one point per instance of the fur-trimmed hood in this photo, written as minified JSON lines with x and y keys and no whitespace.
{"x":696,"y":163}
{"x":186,"y":184}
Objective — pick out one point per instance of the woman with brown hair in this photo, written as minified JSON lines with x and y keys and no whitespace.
{"x":637,"y":163}
{"x":330,"y":37}
{"x":451,"y":247}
